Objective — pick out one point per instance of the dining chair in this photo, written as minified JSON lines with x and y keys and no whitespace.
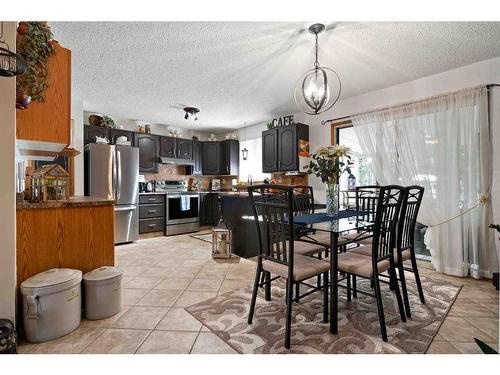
{"x":273,"y":214}
{"x":381,"y":250}
{"x":405,"y":241}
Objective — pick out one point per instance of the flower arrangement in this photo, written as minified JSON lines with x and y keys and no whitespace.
{"x":329,"y":162}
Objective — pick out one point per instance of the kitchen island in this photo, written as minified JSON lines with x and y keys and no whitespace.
{"x":77,"y":233}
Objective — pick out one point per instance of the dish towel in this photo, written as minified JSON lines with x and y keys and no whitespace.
{"x":185,"y":202}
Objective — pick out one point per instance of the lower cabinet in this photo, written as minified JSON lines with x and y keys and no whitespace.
{"x":151,"y":213}
{"x":209,"y":209}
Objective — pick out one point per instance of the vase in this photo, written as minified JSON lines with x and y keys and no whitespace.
{"x":332,"y":199}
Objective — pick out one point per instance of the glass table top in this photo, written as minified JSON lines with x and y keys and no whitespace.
{"x":346,"y":224}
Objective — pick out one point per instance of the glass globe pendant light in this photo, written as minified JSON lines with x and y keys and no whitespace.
{"x":319,"y":88}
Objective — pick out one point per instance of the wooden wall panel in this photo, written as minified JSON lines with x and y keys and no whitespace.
{"x":50,"y":121}
{"x":80,"y":238}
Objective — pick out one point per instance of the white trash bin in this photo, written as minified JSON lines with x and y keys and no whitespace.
{"x":51,"y":304}
{"x":103,"y":292}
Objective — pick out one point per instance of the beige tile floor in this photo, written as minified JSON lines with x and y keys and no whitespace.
{"x":165,"y":274}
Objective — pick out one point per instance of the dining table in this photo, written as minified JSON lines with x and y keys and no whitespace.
{"x":346,"y":221}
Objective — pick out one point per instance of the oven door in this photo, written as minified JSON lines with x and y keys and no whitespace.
{"x":182,"y":208}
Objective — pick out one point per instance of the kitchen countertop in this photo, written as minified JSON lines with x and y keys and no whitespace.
{"x":78,"y":201}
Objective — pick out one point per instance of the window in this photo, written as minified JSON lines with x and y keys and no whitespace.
{"x":252,"y":167}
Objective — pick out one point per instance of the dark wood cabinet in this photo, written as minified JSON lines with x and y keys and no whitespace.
{"x":230,"y":157}
{"x":168,"y":147}
{"x":281,"y":147}
{"x":197,"y":168}
{"x":151,"y":213}
{"x":91,"y":132}
{"x":148,"y":152}
{"x":116,"y":133}
{"x":211,"y":164}
{"x":184,"y":148}
{"x":209,"y":209}
{"x":270,"y":150}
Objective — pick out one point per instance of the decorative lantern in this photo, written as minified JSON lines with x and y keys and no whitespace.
{"x":49,"y":183}
{"x":221,"y":242}
{"x":8,"y":344}
{"x":351,"y":182}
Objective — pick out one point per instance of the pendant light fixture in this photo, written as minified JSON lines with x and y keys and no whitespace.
{"x":319,"y":88}
{"x":244,"y":152}
{"x":11,"y":63}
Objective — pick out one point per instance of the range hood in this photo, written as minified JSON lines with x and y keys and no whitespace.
{"x":176,"y":161}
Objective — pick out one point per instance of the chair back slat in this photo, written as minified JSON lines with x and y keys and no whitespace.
{"x":408,"y":216}
{"x":303,"y":200}
{"x":273,"y":214}
{"x":386,"y":217}
{"x":366,"y":200}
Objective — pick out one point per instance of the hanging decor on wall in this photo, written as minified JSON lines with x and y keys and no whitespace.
{"x":320,"y":87}
{"x":11,"y":63}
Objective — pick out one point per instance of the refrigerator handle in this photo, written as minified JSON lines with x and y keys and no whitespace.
{"x":113,"y":174}
{"x":118,"y":175}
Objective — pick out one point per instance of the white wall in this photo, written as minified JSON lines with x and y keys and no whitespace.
{"x":77,"y":143}
{"x":7,"y":187}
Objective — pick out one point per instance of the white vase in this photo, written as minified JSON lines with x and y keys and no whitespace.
{"x":332,"y":199}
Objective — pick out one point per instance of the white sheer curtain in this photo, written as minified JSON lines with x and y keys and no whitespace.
{"x":442,"y":144}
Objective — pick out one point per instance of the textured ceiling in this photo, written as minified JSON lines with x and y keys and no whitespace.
{"x":246,"y":71}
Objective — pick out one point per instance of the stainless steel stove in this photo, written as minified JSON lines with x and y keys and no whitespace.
{"x":182,"y":207}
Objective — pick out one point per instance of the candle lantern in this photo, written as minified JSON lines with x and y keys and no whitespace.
{"x":351,"y":182}
{"x":49,"y":183}
{"x":221,"y":242}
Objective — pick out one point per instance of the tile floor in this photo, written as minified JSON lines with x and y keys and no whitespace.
{"x":165,"y":274}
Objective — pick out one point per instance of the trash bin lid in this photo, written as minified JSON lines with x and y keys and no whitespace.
{"x":52,"y":277}
{"x":103,"y":273}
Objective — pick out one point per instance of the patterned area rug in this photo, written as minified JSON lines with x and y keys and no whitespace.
{"x":359,"y":329}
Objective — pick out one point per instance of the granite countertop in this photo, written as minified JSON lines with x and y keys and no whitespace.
{"x":78,"y":201}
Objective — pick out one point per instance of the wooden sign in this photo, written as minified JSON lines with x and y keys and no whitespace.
{"x":282,"y":121}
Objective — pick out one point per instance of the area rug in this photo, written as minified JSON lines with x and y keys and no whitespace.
{"x":359,"y":329}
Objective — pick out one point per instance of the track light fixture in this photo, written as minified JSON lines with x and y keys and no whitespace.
{"x":191,"y":112}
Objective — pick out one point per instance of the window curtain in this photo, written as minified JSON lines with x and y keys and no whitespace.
{"x":442,"y":144}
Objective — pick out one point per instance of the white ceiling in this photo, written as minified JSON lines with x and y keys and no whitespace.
{"x":246,"y":71}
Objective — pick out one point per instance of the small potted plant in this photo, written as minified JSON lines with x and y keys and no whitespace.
{"x":108,"y":122}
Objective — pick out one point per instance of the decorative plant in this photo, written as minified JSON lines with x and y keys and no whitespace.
{"x":270,"y":125}
{"x":108,"y":122}
{"x":329,"y":162}
{"x":34,"y":44}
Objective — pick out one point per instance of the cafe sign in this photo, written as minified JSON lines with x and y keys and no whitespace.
{"x":282,"y":121}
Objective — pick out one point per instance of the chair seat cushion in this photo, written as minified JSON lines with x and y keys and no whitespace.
{"x":358,"y":264}
{"x":303,"y":267}
{"x":308,"y":248}
{"x":366,"y":250}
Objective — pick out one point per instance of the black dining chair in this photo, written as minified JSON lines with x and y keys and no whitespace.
{"x":405,"y":241}
{"x":381,"y":259}
{"x":273,"y":207}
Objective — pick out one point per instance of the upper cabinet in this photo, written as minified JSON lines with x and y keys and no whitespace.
{"x":148,"y":152}
{"x":91,"y":132}
{"x":168,"y":147}
{"x":282,"y":147}
{"x":49,"y":121}
{"x":211,"y":158}
{"x":184,"y":148}
{"x":196,"y":169}
{"x":230,"y":157}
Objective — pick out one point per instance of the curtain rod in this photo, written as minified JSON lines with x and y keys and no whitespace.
{"x":323,"y":122}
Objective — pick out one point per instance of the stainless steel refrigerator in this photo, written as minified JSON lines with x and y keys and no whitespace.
{"x":112,"y":172}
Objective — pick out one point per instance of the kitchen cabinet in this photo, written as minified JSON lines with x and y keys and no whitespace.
{"x":282,"y":146}
{"x":49,"y":121}
{"x":168,"y":147}
{"x":196,"y":169}
{"x":148,"y":152}
{"x":209,"y":209}
{"x":211,"y":164}
{"x":151,"y":213}
{"x":230,"y":157}
{"x":184,"y":148}
{"x":116,"y":133}
{"x":91,"y":132}
{"x":270,"y":150}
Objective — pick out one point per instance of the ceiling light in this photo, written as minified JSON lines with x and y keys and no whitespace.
{"x":191,"y":112}
{"x":319,"y":88}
